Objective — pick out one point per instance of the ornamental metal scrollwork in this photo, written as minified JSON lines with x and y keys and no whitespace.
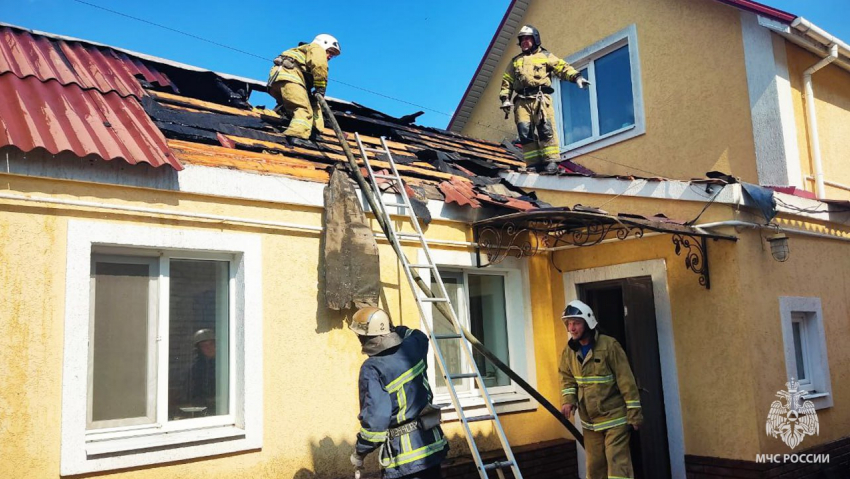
{"x":696,"y":259}
{"x":508,"y":240}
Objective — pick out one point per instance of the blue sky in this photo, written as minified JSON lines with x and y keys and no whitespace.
{"x":419,"y":52}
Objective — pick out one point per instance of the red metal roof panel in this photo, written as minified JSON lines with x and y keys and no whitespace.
{"x":35,"y":114}
{"x":88,"y":66}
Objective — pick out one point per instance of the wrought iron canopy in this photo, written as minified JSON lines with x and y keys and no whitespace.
{"x":543,"y":230}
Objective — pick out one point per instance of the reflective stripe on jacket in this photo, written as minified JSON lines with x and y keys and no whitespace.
{"x":534,"y":69}
{"x":601,"y":384}
{"x":393,"y":391}
{"x":311,"y":67}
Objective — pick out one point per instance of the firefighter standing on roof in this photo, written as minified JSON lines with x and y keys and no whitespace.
{"x":596,"y":379}
{"x":296,"y":72}
{"x":396,"y":414}
{"x":529,"y":77}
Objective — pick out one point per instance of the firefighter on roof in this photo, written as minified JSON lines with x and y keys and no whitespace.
{"x":528,"y":78}
{"x":296,"y":72}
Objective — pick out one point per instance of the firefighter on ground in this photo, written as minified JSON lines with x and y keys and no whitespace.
{"x":596,"y":380}
{"x":528,"y":78}
{"x":396,"y":414}
{"x":296,"y":72}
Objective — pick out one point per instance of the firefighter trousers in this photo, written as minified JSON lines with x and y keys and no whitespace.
{"x":535,"y":124}
{"x":303,"y":110}
{"x":608,"y":453}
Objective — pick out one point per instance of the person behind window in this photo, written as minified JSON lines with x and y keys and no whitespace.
{"x":201,"y":383}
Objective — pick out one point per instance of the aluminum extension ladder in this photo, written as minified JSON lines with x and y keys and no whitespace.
{"x":441,"y":296}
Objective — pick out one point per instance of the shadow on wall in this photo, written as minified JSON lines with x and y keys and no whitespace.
{"x":330,"y":458}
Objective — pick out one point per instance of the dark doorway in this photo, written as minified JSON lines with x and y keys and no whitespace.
{"x":625,"y":309}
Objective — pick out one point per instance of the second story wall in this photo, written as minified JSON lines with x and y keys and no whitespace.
{"x":691,"y":84}
{"x":831,"y":87}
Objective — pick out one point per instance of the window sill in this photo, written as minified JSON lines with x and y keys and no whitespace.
{"x":586,"y":146}
{"x":142,"y":442}
{"x":821,"y":400}
{"x":474,"y":406}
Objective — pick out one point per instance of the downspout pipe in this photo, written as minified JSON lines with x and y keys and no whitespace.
{"x":811,"y":119}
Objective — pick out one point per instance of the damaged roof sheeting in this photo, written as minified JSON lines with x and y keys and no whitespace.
{"x":436,"y":165}
{"x":86,"y":122}
{"x":63,"y":96}
{"x":89,"y":67}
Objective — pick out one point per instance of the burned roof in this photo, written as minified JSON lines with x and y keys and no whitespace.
{"x":114,"y":104}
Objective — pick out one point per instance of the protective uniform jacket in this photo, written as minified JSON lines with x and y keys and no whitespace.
{"x":601,"y":384}
{"x":305,"y":65}
{"x":393,"y":392}
{"x":533,"y":70}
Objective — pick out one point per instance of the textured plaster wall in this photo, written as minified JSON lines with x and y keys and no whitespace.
{"x":831,"y":86}
{"x":310,"y":359}
{"x":816,"y":268}
{"x":728,"y":339}
{"x":694,"y":84}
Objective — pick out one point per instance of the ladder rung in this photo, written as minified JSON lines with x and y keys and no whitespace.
{"x":408,"y":235}
{"x":433,"y":300}
{"x":386,"y":177}
{"x":498,"y":465}
{"x":488,"y":417}
{"x":463,"y":375}
{"x":373,"y":150}
{"x":421,"y":266}
{"x":448,"y":336}
{"x":400,"y":205}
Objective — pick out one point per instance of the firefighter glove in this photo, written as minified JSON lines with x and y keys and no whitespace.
{"x":356,"y":460}
{"x":319,"y":90}
{"x":582,"y":82}
{"x":506,"y":105}
{"x":278,"y":60}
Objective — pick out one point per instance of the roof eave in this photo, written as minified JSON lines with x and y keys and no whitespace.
{"x":486,"y":67}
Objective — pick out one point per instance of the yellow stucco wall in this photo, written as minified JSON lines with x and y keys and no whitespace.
{"x":696,"y":100}
{"x":728,"y":340}
{"x":309,"y":416}
{"x":831,"y":86}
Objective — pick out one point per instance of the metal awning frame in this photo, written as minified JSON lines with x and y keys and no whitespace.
{"x":548,"y":230}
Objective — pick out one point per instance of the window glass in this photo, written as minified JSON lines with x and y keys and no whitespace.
{"x":575,"y":105}
{"x":198,"y":339}
{"x":614,"y":91}
{"x":119,"y":377}
{"x":488,"y":322}
{"x":799,"y":352}
{"x":449,"y":347}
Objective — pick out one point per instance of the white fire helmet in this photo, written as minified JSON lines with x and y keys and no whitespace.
{"x":328,"y":42}
{"x":577,"y":309}
{"x":203,"y":335}
{"x":529,"y":31}
{"x":370,"y":321}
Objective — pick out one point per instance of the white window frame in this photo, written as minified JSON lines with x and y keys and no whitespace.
{"x":585,"y":59}
{"x":94,"y":450}
{"x":813,"y":340}
{"x":509,"y":398}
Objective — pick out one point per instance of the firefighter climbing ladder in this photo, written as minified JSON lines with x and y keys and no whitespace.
{"x":440,"y":296}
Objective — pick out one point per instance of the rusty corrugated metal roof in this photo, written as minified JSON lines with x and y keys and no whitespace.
{"x":36,"y":114}
{"x":90,"y":67}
